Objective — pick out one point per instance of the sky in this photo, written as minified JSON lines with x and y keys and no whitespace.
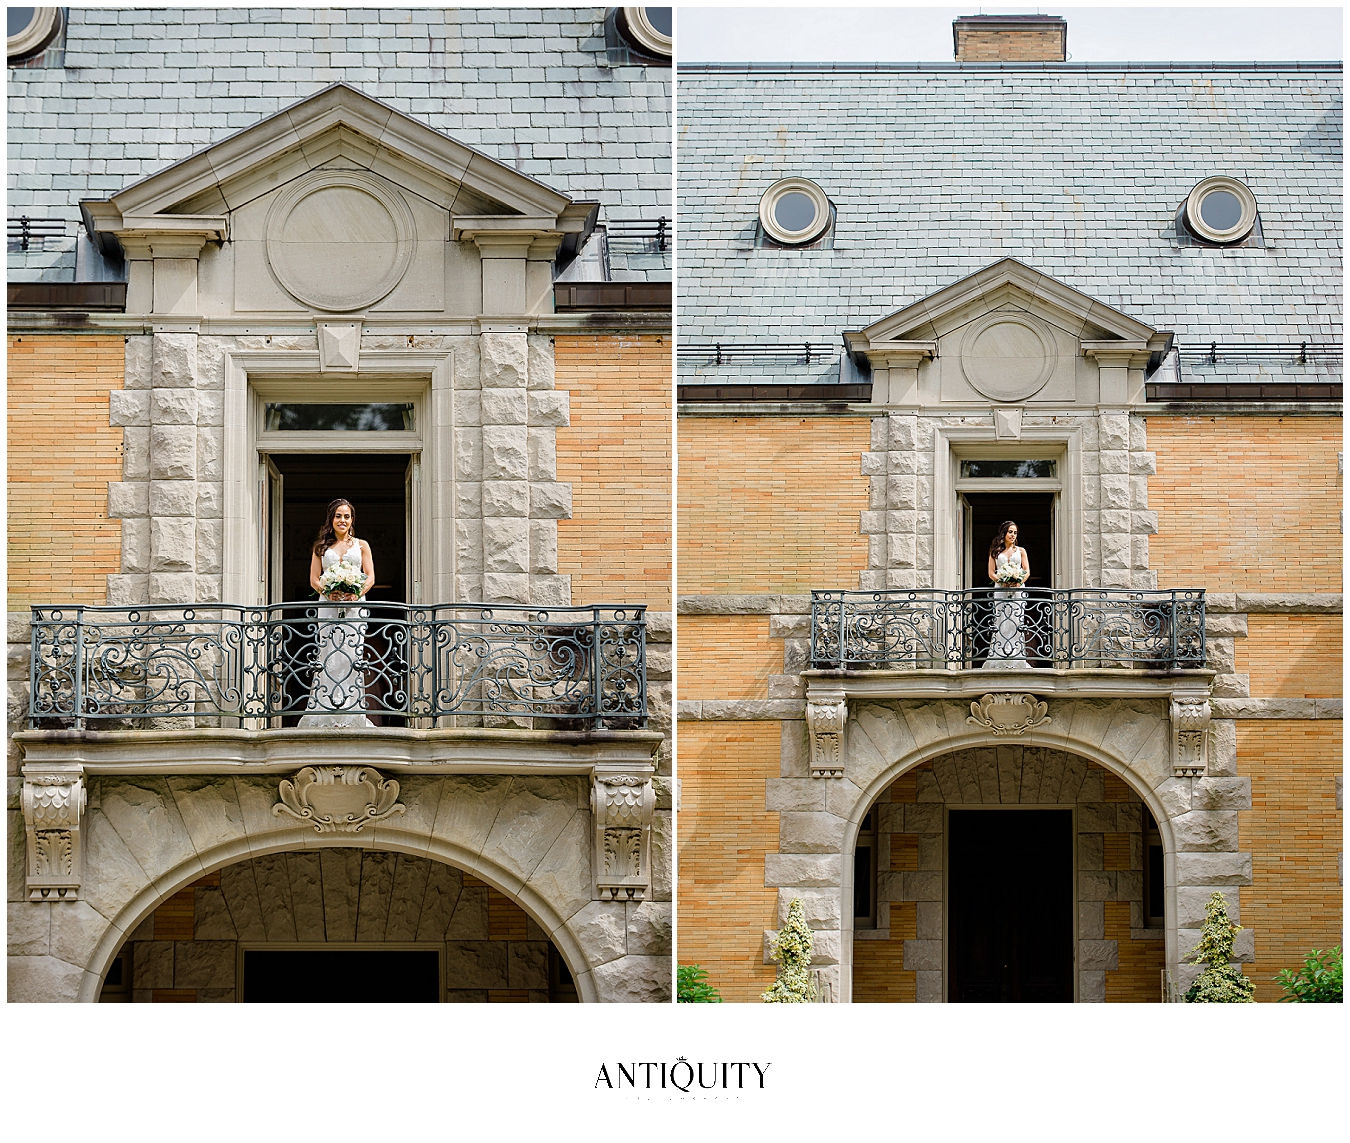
{"x":781,"y":33}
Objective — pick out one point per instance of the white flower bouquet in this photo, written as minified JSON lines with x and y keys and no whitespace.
{"x":342,"y":578}
{"x":1010,"y":575}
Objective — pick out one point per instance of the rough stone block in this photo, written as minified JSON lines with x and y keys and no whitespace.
{"x":540,"y":357}
{"x":1097,"y":956}
{"x":173,"y":407}
{"x":923,"y":956}
{"x":173,"y":452}
{"x":477,"y":964}
{"x":204,"y":964}
{"x":503,"y":360}
{"x":137,"y":363}
{"x":128,"y":590}
{"x":210,"y":545}
{"x":634,"y":980}
{"x":173,"y":363}
{"x":506,"y":545}
{"x":1221,"y":794}
{"x":173,"y":498}
{"x":543,"y":455}
{"x":152,"y":964}
{"x":136,"y":545}
{"x":1206,"y":830}
{"x":552,"y":501}
{"x":128,"y":499}
{"x":503,"y":407}
{"x":810,"y":832}
{"x":1092,"y":987}
{"x":468,"y":409}
{"x":173,"y":544}
{"x":549,"y":408}
{"x":505,"y":498}
{"x":505,"y":452}
{"x":544,"y":548}
{"x":802,"y":869}
{"x":468,"y":453}
{"x":128,"y":407}
{"x":1192,"y":899}
{"x":556,"y":591}
{"x":505,"y":587}
{"x":1214,"y":868}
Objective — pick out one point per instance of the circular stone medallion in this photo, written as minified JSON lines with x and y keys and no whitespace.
{"x":1008,"y":356}
{"x":339,"y":240}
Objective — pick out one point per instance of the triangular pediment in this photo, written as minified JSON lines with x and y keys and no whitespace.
{"x":337,"y":128}
{"x":1005,"y":285}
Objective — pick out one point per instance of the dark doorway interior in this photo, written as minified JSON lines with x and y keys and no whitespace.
{"x":1033,"y":512}
{"x":1010,"y":906}
{"x":375,"y":484}
{"x":344,"y":976}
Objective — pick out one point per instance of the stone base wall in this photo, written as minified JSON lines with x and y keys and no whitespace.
{"x":902,"y":958}
{"x":187,"y":949}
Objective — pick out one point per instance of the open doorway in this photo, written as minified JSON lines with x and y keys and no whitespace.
{"x":1034,"y":513}
{"x":377,"y":484}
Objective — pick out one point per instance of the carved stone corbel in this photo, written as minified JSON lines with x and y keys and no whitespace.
{"x":53,"y":809}
{"x":338,"y":799}
{"x":623,"y":805}
{"x":1190,"y":736}
{"x":825,"y":728}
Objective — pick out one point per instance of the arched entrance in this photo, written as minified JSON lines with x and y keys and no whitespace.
{"x":1007,"y":873}
{"x":341,"y":925}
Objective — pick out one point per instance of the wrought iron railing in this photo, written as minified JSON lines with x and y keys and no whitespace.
{"x":926,"y":628}
{"x":577,"y":667}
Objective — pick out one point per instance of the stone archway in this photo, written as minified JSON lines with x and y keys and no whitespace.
{"x":1130,"y":739}
{"x":530,"y":837}
{"x":286,"y":894}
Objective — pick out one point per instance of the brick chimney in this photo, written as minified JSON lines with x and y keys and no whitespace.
{"x":1010,"y":39}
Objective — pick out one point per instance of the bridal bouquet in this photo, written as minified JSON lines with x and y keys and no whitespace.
{"x":342,"y":577}
{"x":1010,"y":575}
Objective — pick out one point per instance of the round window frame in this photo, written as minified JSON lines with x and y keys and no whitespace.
{"x":42,"y":29}
{"x":645,"y":35}
{"x":794,"y":185}
{"x":1246,"y":221}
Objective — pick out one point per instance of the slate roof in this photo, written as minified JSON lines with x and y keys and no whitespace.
{"x":534,"y":88}
{"x":937,"y":171}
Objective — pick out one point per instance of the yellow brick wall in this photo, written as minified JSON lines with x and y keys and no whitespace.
{"x":1246,"y":503}
{"x":879,"y":975}
{"x":1292,"y":656}
{"x":724,"y":833}
{"x":771,"y":504}
{"x":1293,"y":832}
{"x":727,"y":656}
{"x":617,"y":455}
{"x":1138,"y":979}
{"x":62,"y":454}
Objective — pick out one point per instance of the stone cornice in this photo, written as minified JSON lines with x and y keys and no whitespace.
{"x":1084,"y":683}
{"x":461,"y":751}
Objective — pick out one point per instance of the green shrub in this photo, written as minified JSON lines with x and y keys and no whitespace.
{"x":1319,"y":981}
{"x":792,"y":950}
{"x":1221,"y":982}
{"x":692,"y":987}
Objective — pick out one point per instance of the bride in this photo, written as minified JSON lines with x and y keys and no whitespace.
{"x":339,"y":682}
{"x":1009,"y":569}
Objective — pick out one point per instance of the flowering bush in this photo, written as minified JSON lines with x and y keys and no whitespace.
{"x":1221,"y":982}
{"x":1319,"y":982}
{"x":792,"y":950}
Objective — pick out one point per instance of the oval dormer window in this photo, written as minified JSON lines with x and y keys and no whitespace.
{"x":1221,"y":209}
{"x":794,"y":211}
{"x":31,"y":30}
{"x":650,"y":30}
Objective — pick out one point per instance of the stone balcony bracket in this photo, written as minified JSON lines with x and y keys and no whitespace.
{"x":623,"y":802}
{"x":53,"y":801}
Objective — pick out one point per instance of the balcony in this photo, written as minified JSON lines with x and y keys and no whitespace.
{"x":928,"y":629}
{"x":255,"y":668}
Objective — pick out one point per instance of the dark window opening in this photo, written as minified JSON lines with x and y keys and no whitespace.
{"x":345,"y":976}
{"x":365,"y":418}
{"x":1154,"y":880}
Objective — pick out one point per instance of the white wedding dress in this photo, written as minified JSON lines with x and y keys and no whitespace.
{"x":339,"y":686}
{"x":1008,"y":647}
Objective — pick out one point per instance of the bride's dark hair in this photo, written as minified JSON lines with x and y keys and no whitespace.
{"x":994,"y":548}
{"x":328,"y":537}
